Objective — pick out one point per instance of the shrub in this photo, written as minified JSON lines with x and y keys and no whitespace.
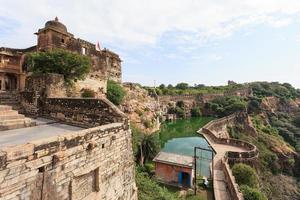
{"x":147,"y":123}
{"x":72,"y":65}
{"x":196,"y":112}
{"x":115,"y":92}
{"x":296,"y":120}
{"x":270,"y":161}
{"x":180,"y":112}
{"x":88,"y":93}
{"x":151,"y":190}
{"x":245,"y":175}
{"x":251,"y":193}
{"x":180,"y":104}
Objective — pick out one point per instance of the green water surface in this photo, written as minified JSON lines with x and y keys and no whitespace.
{"x":181,"y":137}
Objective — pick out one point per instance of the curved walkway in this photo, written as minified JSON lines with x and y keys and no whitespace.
{"x":220,"y":185}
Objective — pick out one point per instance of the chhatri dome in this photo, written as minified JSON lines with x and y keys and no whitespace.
{"x":55,"y":24}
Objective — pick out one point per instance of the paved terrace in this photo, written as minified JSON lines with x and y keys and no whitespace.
{"x":45,"y":129}
{"x":220,"y":189}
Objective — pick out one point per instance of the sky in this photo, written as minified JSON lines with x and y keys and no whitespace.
{"x":169,"y":41}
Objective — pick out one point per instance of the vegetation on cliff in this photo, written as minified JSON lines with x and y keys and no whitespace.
{"x":282,"y":91}
{"x":115,"y":92}
{"x":72,"y":65}
{"x":186,"y":89}
{"x":226,"y":105}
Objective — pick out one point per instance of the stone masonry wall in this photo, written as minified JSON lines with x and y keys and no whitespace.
{"x":50,"y":85}
{"x":95,"y":163}
{"x":82,"y":112}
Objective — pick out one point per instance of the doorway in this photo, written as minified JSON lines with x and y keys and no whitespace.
{"x":184,"y":179}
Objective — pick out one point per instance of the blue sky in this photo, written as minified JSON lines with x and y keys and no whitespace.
{"x":171,"y":41}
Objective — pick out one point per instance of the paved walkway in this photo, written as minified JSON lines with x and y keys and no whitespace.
{"x":45,"y":128}
{"x":220,"y":187}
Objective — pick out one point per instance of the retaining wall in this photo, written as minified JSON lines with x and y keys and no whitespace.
{"x":212,"y":130}
{"x":83,"y":112}
{"x":95,"y":163}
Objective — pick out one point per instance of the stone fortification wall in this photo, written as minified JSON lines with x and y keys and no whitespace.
{"x":233,"y":187}
{"x":215,"y":130}
{"x":82,"y":112}
{"x":95,"y":163}
{"x":165,"y":99}
{"x":218,"y":127}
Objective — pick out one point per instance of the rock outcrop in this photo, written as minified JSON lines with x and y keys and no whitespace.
{"x":142,"y":109}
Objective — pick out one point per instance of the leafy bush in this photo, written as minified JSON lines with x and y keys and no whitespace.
{"x":72,"y":65}
{"x":245,"y":175}
{"x":254,"y":105}
{"x":177,"y":110}
{"x":180,"y":112}
{"x":251,"y":193}
{"x":115,"y":92}
{"x":296,"y":120}
{"x":270,"y":161}
{"x":151,"y":190}
{"x":147,"y":123}
{"x":223,"y":106}
{"x":180,"y":104}
{"x":195,"y":112}
{"x":88,"y":93}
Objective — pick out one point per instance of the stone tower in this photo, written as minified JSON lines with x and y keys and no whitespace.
{"x":53,"y":35}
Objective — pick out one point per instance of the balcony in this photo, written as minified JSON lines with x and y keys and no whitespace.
{"x":9,"y":68}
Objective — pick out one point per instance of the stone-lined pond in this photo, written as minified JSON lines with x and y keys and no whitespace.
{"x":181,"y":137}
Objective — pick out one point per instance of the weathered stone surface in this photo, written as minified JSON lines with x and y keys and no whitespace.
{"x":71,"y":170}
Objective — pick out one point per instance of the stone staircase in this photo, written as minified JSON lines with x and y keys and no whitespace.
{"x":11,"y":119}
{"x":11,"y":99}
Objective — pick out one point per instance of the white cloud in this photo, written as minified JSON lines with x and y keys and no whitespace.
{"x":143,"y":22}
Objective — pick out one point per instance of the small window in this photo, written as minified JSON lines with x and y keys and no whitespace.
{"x":83,"y":50}
{"x":103,"y":146}
{"x":62,"y":40}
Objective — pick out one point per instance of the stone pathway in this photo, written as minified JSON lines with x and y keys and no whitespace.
{"x":220,"y":185}
{"x":42,"y":130}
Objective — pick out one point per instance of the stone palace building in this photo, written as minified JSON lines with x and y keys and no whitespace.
{"x":106,"y":64}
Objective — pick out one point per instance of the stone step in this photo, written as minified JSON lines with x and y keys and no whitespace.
{"x":5,"y":108}
{"x":10,"y":117}
{"x":15,"y":126}
{"x":8,"y":112}
{"x":9,"y":122}
{"x":8,"y":101}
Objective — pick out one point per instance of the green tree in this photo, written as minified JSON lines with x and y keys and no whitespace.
{"x":115,"y":92}
{"x":245,"y":175}
{"x":170,"y":86}
{"x":252,"y":193}
{"x":182,"y":86}
{"x":195,"y":112}
{"x":162,"y":86}
{"x":148,"y":147}
{"x":72,"y":65}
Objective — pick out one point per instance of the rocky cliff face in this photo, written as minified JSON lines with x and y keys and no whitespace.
{"x":274,"y":104}
{"x":142,"y":109}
